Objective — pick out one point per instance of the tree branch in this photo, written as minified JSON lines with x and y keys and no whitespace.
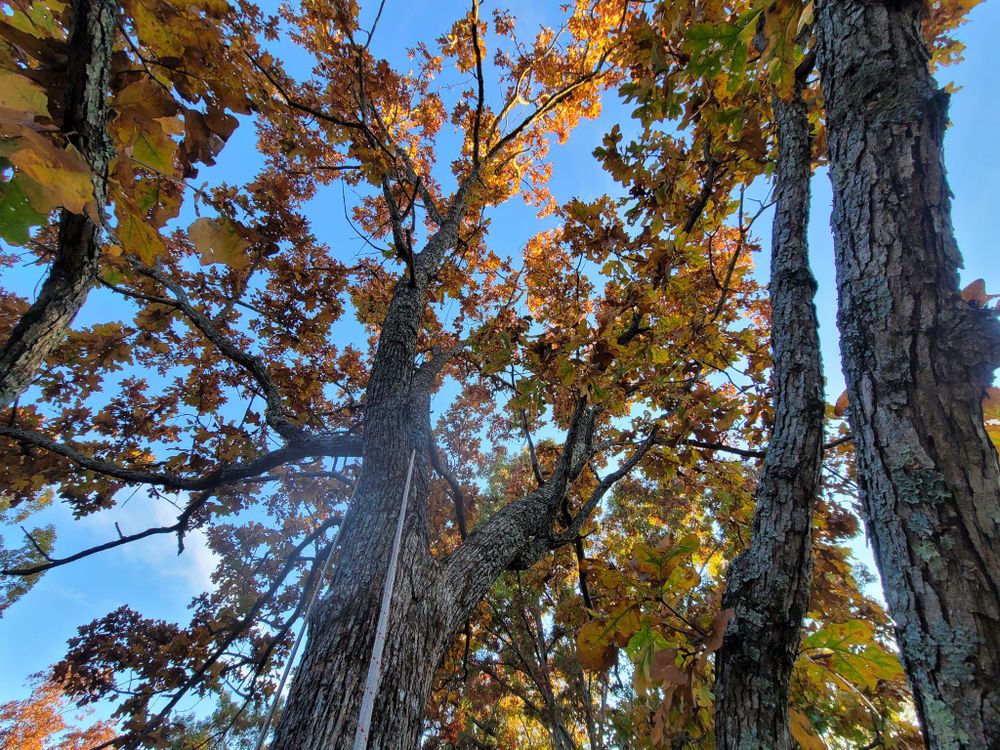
{"x":441,"y":468}
{"x":275,"y":413}
{"x":74,"y":271}
{"x":332,"y":445}
{"x":480,"y":94}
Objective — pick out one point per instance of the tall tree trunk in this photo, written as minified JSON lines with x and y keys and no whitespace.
{"x":916,"y":358}
{"x":768,"y":584}
{"x":74,"y":270}
{"x":431,"y":599}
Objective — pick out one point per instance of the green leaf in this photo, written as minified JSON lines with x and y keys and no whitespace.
{"x":136,"y":235}
{"x":17,"y":215}
{"x":854,"y":654}
{"x":155,"y":150}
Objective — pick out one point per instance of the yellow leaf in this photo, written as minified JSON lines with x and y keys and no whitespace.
{"x":135,"y":233}
{"x":62,"y":173}
{"x":802,"y":731}
{"x":593,"y":646}
{"x":21,"y":94}
{"x":219,"y":241}
{"x":805,"y":18}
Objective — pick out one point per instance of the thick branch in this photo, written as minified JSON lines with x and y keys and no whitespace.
{"x":333,"y":445}
{"x":74,"y":271}
{"x":520,"y":533}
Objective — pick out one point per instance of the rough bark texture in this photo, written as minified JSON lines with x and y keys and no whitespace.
{"x":432,"y":598}
{"x":74,"y":270}
{"x":768,"y":584}
{"x":916,"y":359}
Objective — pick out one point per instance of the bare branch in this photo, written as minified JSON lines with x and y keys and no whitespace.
{"x":480,"y":94}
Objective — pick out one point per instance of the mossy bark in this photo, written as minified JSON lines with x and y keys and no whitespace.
{"x":917,"y":359}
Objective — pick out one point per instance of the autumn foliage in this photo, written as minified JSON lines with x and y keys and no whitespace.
{"x":234,"y":376}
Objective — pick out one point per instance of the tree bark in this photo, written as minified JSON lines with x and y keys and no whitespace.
{"x":431,"y":599}
{"x":916,"y":358}
{"x":768,"y":584}
{"x":74,"y":270}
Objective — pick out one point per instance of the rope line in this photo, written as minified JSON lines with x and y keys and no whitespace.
{"x":375,"y":664}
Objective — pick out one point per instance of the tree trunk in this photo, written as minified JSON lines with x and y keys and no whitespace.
{"x":325,"y":699}
{"x":74,"y":270}
{"x":916,"y":358}
{"x":768,"y":584}
{"x":431,"y":599}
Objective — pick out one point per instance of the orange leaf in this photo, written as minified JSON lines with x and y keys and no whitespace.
{"x":840,"y":408}
{"x":976,"y":292}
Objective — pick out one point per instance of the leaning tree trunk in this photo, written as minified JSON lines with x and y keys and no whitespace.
{"x":432,"y":599}
{"x":917,"y":359}
{"x":74,"y":270}
{"x":768,"y":584}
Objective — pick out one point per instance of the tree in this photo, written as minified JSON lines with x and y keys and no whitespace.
{"x":730,"y":61}
{"x":74,"y":269}
{"x":768,"y":584}
{"x":39,"y":723}
{"x":918,"y":359}
{"x":368,"y":114}
{"x":624,"y":348}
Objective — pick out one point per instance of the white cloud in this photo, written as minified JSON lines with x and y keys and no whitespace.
{"x":193,"y":567}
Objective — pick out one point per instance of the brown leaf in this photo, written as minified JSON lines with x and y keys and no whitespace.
{"x":219,"y":241}
{"x":714,"y":640}
{"x":664,"y":667}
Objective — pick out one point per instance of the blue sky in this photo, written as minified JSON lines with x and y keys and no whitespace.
{"x":153,"y":579}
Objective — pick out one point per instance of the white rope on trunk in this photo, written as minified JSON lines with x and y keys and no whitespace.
{"x":375,"y":665}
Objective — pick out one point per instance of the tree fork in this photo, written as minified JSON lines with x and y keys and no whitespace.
{"x":917,"y":359}
{"x":768,"y":584}
{"x":74,"y":271}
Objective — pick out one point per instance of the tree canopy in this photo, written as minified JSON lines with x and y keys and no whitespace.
{"x":598,"y":428}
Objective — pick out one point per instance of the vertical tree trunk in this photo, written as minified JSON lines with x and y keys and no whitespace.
{"x":74,"y":270}
{"x":916,"y":359}
{"x":325,"y":699}
{"x":431,"y":599}
{"x":768,"y":584}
